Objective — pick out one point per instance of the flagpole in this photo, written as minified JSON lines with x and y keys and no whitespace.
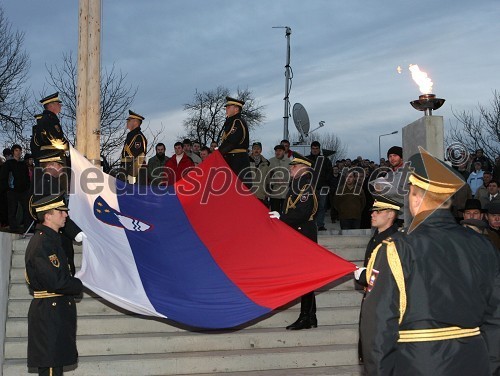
{"x":81,"y":85}
{"x":94,"y":83}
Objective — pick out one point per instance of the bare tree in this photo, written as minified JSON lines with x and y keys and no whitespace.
{"x":206,"y":114}
{"x":14,"y":67}
{"x":116,"y":98}
{"x":481,"y":130}
{"x":328,"y":141}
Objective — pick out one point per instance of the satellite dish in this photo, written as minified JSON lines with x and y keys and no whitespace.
{"x":301,"y":120}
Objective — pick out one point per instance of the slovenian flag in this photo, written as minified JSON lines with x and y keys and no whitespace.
{"x":203,"y":253}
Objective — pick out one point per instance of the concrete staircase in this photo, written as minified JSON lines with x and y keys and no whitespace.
{"x":114,"y":342}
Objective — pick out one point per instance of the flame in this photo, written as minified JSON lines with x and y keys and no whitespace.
{"x":423,"y":81}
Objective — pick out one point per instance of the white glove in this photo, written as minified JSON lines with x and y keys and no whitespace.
{"x":131,"y":179}
{"x":216,"y":148}
{"x":79,"y":237}
{"x":357,"y":273}
{"x":274,"y":214}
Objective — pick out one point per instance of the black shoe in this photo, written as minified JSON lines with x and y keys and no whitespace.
{"x":304,"y":322}
{"x":322,"y":228}
{"x":314,"y":321}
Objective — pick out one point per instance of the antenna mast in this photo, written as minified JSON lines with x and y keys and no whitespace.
{"x":288,"y":80}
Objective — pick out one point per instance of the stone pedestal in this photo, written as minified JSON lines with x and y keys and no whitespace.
{"x":427,"y":132}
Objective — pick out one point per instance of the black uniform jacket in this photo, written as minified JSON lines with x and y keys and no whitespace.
{"x":234,"y":146}
{"x":451,"y":279}
{"x":134,"y":151}
{"x":51,"y":320}
{"x":235,"y":135}
{"x":300,"y":206}
{"x":372,"y":244}
{"x":48,"y":133}
{"x":44,"y":185}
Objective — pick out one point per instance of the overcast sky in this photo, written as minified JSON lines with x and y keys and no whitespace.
{"x":344,"y":56}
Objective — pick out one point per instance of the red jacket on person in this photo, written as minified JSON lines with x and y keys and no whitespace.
{"x":175,"y":170}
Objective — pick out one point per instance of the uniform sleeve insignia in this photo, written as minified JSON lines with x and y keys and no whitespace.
{"x":57,"y":127}
{"x":137,"y":145}
{"x":304,"y":197}
{"x":372,"y":280}
{"x":54,"y":260}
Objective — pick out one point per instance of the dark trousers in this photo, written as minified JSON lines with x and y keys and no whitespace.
{"x":13,"y":200}
{"x":308,"y":304}
{"x":240,"y":164}
{"x":50,"y":371}
{"x":4,"y":209}
{"x":350,"y":224}
{"x":277,"y":204}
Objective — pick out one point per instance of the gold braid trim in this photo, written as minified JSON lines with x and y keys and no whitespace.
{"x":291,"y":204}
{"x":315,"y":206}
{"x":396,"y":269}
{"x":244,"y":133}
{"x":437,"y":334}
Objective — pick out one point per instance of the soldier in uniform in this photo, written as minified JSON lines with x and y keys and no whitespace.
{"x":300,"y":206}
{"x":52,"y":313}
{"x":432,"y":306}
{"x":34,"y":143}
{"x":46,"y":182}
{"x":235,"y":140}
{"x":134,"y":151}
{"x":384,"y":216}
{"x":384,"y":219}
{"x":48,"y":133}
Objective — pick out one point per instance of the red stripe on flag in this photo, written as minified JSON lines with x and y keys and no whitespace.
{"x":269,"y":261}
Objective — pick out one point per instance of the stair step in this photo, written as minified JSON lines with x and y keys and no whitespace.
{"x":327,"y":241}
{"x":330,"y":298}
{"x":354,"y":370}
{"x":90,"y":305}
{"x":112,"y":341}
{"x":352,"y":254}
{"x":173,"y":342}
{"x":119,"y":324}
{"x":213,"y":362}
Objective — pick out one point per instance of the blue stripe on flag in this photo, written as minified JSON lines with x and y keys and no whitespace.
{"x":179,"y":275}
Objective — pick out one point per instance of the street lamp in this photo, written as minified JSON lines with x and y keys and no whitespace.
{"x":379,"y":153}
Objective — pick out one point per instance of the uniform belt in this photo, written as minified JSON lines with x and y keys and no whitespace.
{"x":238,"y":151}
{"x":437,"y":334}
{"x":45,"y":294}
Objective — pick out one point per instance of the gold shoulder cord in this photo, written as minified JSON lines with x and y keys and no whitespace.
{"x":396,"y":269}
{"x":226,"y":134}
{"x":291,"y":204}
{"x":244,"y":132}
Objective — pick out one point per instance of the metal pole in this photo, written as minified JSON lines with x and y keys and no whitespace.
{"x":379,"y":152}
{"x":288,"y":32}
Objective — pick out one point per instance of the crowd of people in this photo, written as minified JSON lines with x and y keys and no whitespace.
{"x":401,"y":303}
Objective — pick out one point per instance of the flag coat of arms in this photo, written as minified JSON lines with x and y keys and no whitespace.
{"x":203,"y":252}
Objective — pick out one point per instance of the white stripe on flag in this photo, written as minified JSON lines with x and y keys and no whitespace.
{"x":108,"y":265}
